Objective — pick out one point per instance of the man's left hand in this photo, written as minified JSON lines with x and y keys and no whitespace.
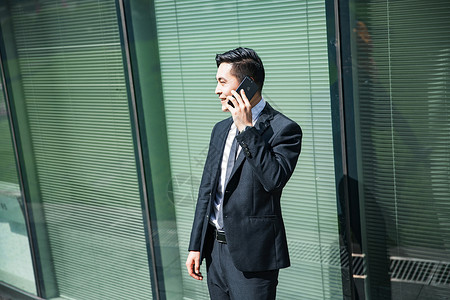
{"x":242,"y":110}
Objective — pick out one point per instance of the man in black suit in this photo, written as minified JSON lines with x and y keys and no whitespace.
{"x":238,"y":225}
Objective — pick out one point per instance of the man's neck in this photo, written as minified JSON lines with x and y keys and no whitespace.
{"x":257,"y":98}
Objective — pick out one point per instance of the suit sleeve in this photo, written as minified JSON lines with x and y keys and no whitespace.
{"x":204,"y":195}
{"x":273,"y":163}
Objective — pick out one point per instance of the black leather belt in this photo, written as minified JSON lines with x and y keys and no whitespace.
{"x":219,"y":235}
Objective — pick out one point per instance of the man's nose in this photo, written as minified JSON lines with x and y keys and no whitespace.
{"x":218,"y":91}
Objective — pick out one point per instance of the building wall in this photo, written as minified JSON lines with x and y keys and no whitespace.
{"x":106,"y":122}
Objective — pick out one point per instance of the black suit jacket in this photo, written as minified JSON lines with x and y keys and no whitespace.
{"x":252,"y":218}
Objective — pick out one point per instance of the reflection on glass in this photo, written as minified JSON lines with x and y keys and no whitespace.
{"x":403,"y":64}
{"x":15,"y":259}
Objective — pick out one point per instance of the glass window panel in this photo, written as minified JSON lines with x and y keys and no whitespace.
{"x":76,"y":109}
{"x":402,"y":117}
{"x":290,"y":37}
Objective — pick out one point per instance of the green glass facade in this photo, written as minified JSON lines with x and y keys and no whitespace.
{"x":402,"y":136}
{"x":106,"y":113}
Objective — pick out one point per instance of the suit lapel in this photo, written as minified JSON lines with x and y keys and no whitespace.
{"x":219,"y":144}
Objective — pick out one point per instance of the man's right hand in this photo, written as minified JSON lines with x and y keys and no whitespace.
{"x":193,"y":265}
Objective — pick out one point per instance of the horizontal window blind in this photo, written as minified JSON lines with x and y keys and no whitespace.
{"x":77,"y":110}
{"x":290,"y":37}
{"x":403,"y":110}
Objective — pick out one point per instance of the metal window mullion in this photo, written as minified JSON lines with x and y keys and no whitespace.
{"x":31,"y":243}
{"x":138,"y":149}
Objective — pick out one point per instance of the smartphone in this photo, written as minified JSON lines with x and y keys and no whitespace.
{"x":249,"y":86}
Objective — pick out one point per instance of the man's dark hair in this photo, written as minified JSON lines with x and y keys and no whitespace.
{"x":244,"y":62}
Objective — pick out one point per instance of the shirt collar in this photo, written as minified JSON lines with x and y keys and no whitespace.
{"x":257,"y":109}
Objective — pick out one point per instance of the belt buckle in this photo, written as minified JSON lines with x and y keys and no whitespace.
{"x":220,"y":236}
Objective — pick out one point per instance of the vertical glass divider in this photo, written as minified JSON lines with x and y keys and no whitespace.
{"x":335,"y":58}
{"x":138,"y":149}
{"x":20,"y":177}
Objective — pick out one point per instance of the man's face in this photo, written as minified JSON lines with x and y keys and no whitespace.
{"x":225,"y":83}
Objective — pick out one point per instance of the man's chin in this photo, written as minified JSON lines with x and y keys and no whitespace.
{"x":224,"y":108}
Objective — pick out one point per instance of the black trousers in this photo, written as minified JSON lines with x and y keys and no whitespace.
{"x":227,"y":282}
